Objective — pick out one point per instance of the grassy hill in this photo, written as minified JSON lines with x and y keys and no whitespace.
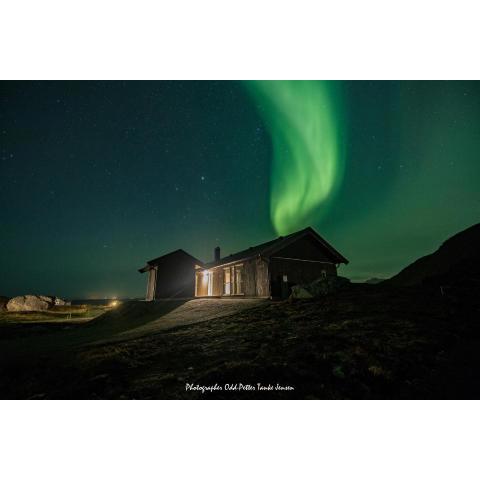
{"x":457,"y":261}
{"x":367,"y":341}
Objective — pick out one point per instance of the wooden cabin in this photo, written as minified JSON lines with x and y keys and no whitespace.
{"x":269,"y":269}
{"x":171,"y":275}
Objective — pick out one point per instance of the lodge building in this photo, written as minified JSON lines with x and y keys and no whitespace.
{"x":266,"y":270}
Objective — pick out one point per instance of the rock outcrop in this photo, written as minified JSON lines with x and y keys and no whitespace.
{"x":31,"y":303}
{"x":3,"y":302}
{"x":320,"y":287}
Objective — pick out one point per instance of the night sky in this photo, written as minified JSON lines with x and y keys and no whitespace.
{"x":98,"y":177}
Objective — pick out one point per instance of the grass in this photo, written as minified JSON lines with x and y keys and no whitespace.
{"x":59,"y":313}
{"x":366,"y":342}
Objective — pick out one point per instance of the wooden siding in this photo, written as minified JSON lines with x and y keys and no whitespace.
{"x":201,"y":285}
{"x":151,"y":284}
{"x":217,"y":286}
{"x":297,"y":272}
{"x":249,"y":278}
{"x":305,"y":248}
{"x":303,"y":261}
{"x":262,"y":277}
{"x":255,"y":279}
{"x":175,"y":277}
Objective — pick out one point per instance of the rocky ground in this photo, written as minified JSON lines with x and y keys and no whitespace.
{"x":55,"y":314}
{"x":366,"y":341}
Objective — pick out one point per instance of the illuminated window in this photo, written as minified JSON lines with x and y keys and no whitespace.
{"x":227,"y":285}
{"x":233,"y":280}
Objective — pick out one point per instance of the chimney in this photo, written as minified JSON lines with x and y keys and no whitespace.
{"x":216,"y":254}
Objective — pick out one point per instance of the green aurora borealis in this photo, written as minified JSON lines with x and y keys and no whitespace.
{"x":304,"y":120}
{"x":98,"y":177}
{"x":388,"y":170}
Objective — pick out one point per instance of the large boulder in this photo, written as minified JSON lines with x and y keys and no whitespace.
{"x":3,"y":302}
{"x":299,"y":291}
{"x":58,"y":301}
{"x":320,"y":287}
{"x":30,"y":303}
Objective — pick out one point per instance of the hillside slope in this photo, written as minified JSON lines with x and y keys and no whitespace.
{"x":456,"y":262}
{"x":366,"y":341}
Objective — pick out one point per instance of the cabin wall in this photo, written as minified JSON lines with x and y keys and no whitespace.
{"x":179,"y":282}
{"x":262,"y":277}
{"x":175,"y":277}
{"x":305,"y":248}
{"x":201,"y":284}
{"x":249,"y":280}
{"x":297,"y":272}
{"x":217,"y":278}
{"x":151,"y":284}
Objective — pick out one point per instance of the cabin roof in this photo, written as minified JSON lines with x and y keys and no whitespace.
{"x":156,"y":261}
{"x":267,"y":249}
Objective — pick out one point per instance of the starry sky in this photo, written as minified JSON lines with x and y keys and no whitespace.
{"x":98,"y":177}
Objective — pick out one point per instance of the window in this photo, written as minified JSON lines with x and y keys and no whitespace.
{"x":233,"y":280}
{"x":227,"y":282}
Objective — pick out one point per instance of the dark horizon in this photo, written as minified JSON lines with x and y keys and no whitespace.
{"x":99,"y":177}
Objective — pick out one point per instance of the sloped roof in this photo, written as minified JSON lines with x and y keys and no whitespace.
{"x":269,"y":248}
{"x":156,"y":261}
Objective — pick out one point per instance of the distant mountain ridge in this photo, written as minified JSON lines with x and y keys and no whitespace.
{"x":456,"y":262}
